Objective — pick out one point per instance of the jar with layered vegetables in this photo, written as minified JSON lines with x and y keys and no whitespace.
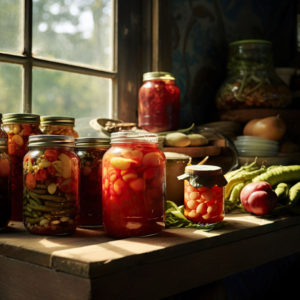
{"x":18,"y":128}
{"x":51,"y":185}
{"x":159,"y":102}
{"x":58,"y":125}
{"x":204,"y":193}
{"x":251,"y":80}
{"x":4,"y":184}
{"x":90,"y":151}
{"x":133,"y":185}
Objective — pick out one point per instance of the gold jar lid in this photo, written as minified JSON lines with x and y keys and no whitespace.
{"x":57,"y":120}
{"x":50,"y":140}
{"x":12,"y":118}
{"x":158,"y":75}
{"x":92,"y":142}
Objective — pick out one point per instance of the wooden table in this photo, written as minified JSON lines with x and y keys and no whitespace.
{"x":89,"y":265}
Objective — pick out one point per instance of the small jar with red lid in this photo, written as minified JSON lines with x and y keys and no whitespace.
{"x":90,"y":151}
{"x":133,"y":185}
{"x":51,"y":185}
{"x":18,"y":126}
{"x":4,"y":184}
{"x":204,"y":194}
{"x":159,"y":102}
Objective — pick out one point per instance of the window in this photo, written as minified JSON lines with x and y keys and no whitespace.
{"x":58,"y":57}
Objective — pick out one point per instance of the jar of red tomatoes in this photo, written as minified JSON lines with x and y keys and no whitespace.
{"x":58,"y":125}
{"x":51,"y":185}
{"x":18,"y":128}
{"x":133,"y":185}
{"x":204,"y":194}
{"x":3,"y":134}
{"x":159,"y":102}
{"x":90,"y":151}
{"x":4,"y":184}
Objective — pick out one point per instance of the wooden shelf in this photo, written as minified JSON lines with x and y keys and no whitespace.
{"x":89,"y":265}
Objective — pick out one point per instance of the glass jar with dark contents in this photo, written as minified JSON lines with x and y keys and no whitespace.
{"x":133,"y":185}
{"x":4,"y":184}
{"x":251,"y":80}
{"x":18,"y":128}
{"x":204,"y":193}
{"x":3,"y":134}
{"x":58,"y":125}
{"x":159,"y":102}
{"x":90,"y":151}
{"x":51,"y":185}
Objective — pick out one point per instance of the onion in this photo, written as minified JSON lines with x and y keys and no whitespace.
{"x":272,"y":128}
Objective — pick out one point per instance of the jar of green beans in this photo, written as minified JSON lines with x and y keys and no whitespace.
{"x":251,"y":79}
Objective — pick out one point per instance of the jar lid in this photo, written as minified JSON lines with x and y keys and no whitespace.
{"x":158,"y":75}
{"x":51,"y":140}
{"x":12,"y":118}
{"x":250,"y":42}
{"x":203,"y":175}
{"x":134,"y":137}
{"x":84,"y":142}
{"x":3,"y":143}
{"x":57,"y":120}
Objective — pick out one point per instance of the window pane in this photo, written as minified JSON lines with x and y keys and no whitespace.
{"x":75,"y":31}
{"x":70,"y":94}
{"x":11,"y":88}
{"x":11,"y":26}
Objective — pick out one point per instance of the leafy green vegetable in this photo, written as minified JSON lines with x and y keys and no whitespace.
{"x":175,"y":219}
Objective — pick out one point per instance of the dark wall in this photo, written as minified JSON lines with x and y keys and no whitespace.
{"x":201,"y":31}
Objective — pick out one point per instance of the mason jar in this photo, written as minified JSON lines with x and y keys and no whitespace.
{"x":251,"y":80}
{"x":3,"y":134}
{"x":159,"y":102}
{"x":18,"y":128}
{"x":90,"y":151}
{"x":204,"y":193}
{"x":4,"y":184}
{"x":58,"y":125}
{"x":51,"y":185}
{"x":133,"y":185}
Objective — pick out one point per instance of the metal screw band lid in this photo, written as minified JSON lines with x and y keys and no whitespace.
{"x":12,"y":118}
{"x":158,"y":75}
{"x":85,"y":142}
{"x":57,"y":120}
{"x":51,"y":140}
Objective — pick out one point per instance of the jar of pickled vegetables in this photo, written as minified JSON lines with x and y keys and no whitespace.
{"x":58,"y":125}
{"x":3,"y":134}
{"x":159,"y":102}
{"x":90,"y":151}
{"x":133,"y":185}
{"x":4,"y":184}
{"x":18,"y":128}
{"x":51,"y":185}
{"x":204,"y":194}
{"x":251,"y":80}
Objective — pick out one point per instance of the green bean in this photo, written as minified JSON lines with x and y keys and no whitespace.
{"x":294,"y":194}
{"x":39,"y":191}
{"x":282,"y":192}
{"x":29,"y":220}
{"x":40,"y":208}
{"x":49,"y":197}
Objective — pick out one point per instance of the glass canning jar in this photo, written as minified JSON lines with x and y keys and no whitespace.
{"x":4,"y":184}
{"x":90,"y":151}
{"x":251,"y":80}
{"x":58,"y":125}
{"x":159,"y":102}
{"x":204,"y":194}
{"x":3,"y":134}
{"x":133,"y":185}
{"x":18,"y":128}
{"x":51,"y":185}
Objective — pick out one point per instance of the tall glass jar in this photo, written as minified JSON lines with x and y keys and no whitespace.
{"x":58,"y":125}
{"x":251,"y":80}
{"x":18,"y":128}
{"x":133,"y":185}
{"x":159,"y":102}
{"x":4,"y":184}
{"x":51,"y":185}
{"x":204,"y":194}
{"x":90,"y":151}
{"x":3,"y":134}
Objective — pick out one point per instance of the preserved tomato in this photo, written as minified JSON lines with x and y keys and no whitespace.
{"x":204,"y":194}
{"x":58,"y":125}
{"x":18,"y":128}
{"x":51,"y":186}
{"x":4,"y":184}
{"x":90,"y":152}
{"x":159,"y":102}
{"x":133,"y":185}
